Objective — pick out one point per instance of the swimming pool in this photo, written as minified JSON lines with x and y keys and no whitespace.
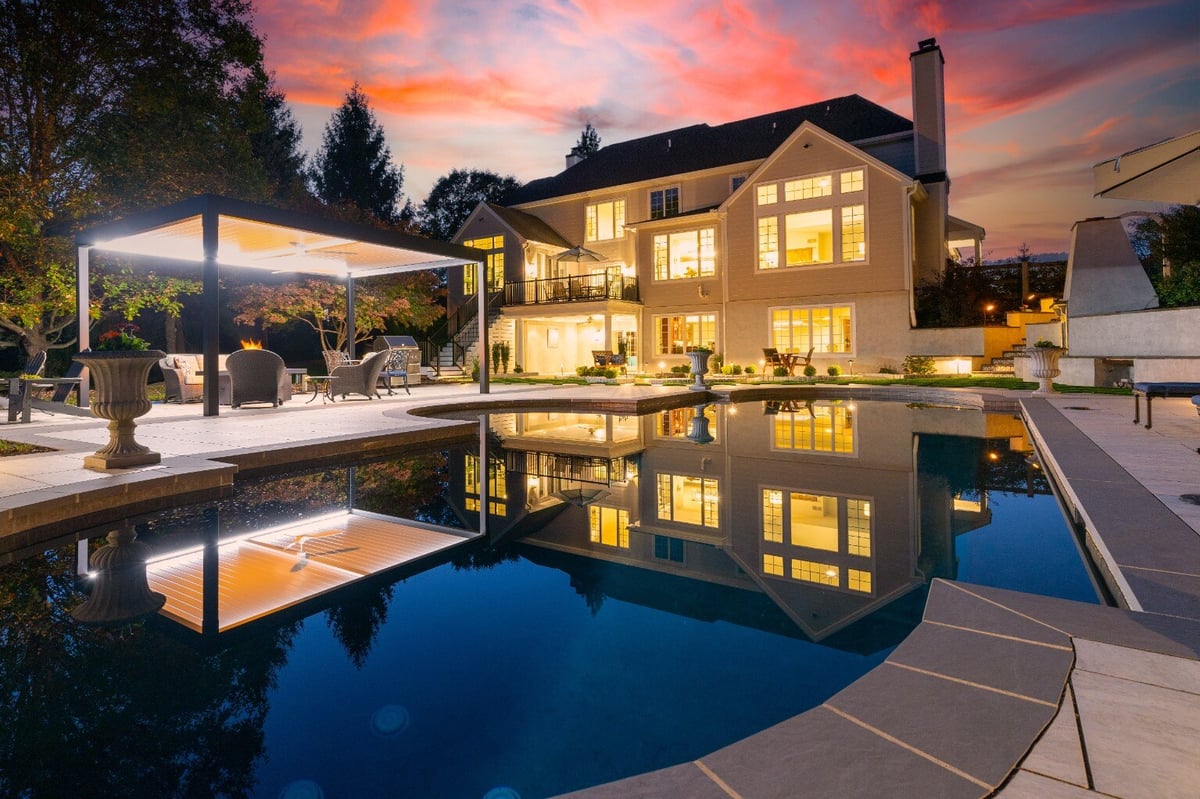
{"x":648,"y":589}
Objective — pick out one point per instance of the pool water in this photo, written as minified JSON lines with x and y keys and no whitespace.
{"x":618,"y":616}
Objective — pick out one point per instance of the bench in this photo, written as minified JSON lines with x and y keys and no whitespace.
{"x":1152,"y":390}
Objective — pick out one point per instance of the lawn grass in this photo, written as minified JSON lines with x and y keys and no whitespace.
{"x":966,"y":381}
{"x":17,"y":448}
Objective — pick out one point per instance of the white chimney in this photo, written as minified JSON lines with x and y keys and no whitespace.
{"x":573,"y":157}
{"x":929,"y":110}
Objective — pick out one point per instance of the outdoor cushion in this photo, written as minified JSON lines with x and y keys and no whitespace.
{"x":187,"y":365}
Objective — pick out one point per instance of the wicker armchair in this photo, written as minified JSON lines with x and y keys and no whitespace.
{"x":176,"y":383}
{"x":360,"y":378}
{"x":256,"y":376}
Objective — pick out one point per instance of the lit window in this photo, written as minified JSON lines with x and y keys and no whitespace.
{"x":680,"y":334}
{"x":773,"y":564}
{"x":808,"y":237}
{"x":690,"y":253}
{"x":772,"y":509}
{"x":854,"y":233}
{"x":852,"y":181}
{"x":687,"y":500}
{"x":858,"y":580}
{"x":824,"y":328}
{"x":807,"y":188}
{"x":609,"y":526}
{"x":816,"y":429}
{"x":814,"y":521}
{"x":606,"y":220}
{"x":858,"y":527}
{"x":768,"y":242}
{"x":494,"y":265}
{"x":768,"y":195}
{"x":497,"y":486}
{"x":664,"y":202}
{"x":812,"y":572}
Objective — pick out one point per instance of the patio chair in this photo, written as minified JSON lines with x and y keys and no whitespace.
{"x":16,"y":388}
{"x":360,"y":378}
{"x":256,"y":376}
{"x":179,"y":383}
{"x":334,"y":359}
{"x":603,"y":357}
{"x":772,"y":358}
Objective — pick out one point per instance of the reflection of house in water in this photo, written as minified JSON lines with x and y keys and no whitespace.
{"x":830,"y":509}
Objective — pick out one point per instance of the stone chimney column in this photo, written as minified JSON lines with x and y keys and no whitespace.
{"x":929,"y":110}
{"x":929,"y":159}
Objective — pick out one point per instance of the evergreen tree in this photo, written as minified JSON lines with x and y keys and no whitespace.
{"x":454,"y":196}
{"x":589,"y":142}
{"x":353,"y":169}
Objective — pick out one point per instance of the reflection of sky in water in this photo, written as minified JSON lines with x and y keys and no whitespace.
{"x":1026,"y":548}
{"x":509,"y":665}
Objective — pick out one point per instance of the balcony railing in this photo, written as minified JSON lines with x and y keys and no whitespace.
{"x":575,"y":288}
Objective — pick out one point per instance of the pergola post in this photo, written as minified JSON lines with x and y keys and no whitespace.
{"x":351,"y":326}
{"x":82,"y":290}
{"x":484,"y":386}
{"x":211,"y":345}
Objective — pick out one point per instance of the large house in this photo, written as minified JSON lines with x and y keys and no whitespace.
{"x":804,"y":229}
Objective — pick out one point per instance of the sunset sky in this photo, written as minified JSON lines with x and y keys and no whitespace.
{"x":1037,"y":90}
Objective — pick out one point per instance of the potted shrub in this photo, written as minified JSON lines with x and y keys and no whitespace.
{"x":810,"y":371}
{"x":1045,"y":354}
{"x":119,"y":366}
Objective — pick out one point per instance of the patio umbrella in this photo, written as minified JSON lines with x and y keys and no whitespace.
{"x":581,"y":496}
{"x":578,"y":254}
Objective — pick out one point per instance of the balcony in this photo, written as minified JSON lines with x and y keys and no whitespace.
{"x":575,"y":288}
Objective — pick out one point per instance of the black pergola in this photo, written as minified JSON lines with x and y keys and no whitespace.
{"x":215,"y":231}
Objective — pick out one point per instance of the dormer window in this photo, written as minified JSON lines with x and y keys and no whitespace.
{"x":664,"y":202}
{"x":606,"y":220}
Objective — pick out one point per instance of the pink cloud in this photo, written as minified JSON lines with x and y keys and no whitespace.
{"x":1030,"y":85}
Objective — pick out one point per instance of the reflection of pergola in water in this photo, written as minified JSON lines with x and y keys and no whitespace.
{"x":215,"y":231}
{"x":219,"y":586}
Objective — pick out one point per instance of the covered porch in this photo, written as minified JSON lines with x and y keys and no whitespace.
{"x":219,"y":231}
{"x":591,"y":334}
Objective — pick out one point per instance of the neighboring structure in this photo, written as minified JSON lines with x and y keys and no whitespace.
{"x":805,"y":228}
{"x":1114,"y":329}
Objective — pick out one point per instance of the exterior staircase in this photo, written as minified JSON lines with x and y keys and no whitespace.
{"x":499,"y":329}
{"x":1002,"y":366}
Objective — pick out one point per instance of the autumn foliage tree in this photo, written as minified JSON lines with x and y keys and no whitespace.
{"x":321,"y":305}
{"x":115,"y":105}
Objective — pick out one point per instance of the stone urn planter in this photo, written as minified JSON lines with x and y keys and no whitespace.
{"x":699,"y":359}
{"x":699,"y":434}
{"x":1045,"y":367}
{"x":119,"y":378}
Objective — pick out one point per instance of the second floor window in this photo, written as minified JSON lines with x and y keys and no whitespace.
{"x":494,"y":266}
{"x":606,"y":220}
{"x":687,"y":254}
{"x":664,"y":202}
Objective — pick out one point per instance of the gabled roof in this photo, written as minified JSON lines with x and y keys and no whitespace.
{"x":699,"y":147}
{"x":529,"y":227}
